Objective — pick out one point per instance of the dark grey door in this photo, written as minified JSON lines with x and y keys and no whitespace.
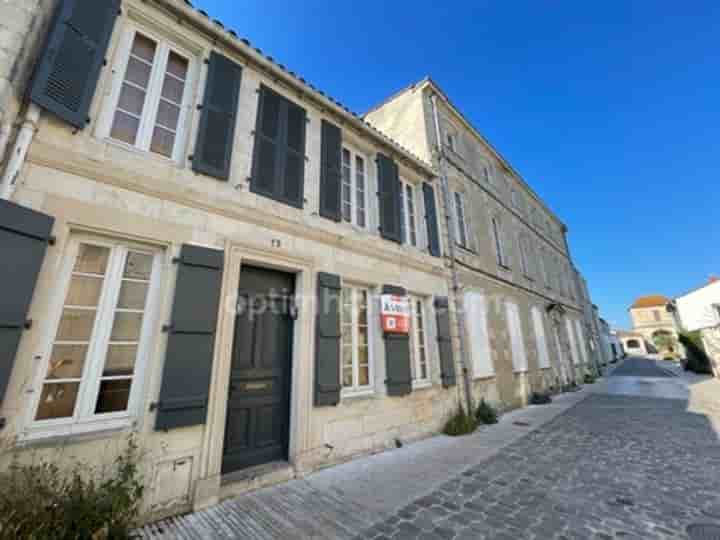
{"x":258,"y":412}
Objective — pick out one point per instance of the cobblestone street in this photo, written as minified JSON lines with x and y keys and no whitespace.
{"x":612,"y":465}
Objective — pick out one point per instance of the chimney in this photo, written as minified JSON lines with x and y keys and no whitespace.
{"x":713,"y":278}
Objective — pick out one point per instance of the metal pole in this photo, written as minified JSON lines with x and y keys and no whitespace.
{"x":449,"y":222}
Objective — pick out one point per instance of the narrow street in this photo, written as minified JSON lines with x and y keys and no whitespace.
{"x":636,"y":455}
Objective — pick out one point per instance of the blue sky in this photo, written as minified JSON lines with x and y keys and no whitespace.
{"x":611,"y":111}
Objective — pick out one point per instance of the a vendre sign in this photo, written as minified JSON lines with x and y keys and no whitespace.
{"x":395,"y":314}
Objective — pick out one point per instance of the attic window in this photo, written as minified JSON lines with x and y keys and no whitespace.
{"x":451,"y":141}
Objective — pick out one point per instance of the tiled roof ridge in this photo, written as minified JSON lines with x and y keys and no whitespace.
{"x":300,"y":80}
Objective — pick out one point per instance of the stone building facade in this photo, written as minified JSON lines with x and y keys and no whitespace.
{"x":203,"y":244}
{"x":651,"y":319}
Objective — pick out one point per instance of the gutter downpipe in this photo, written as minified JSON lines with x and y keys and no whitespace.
{"x":449,"y":221}
{"x":17,"y":156}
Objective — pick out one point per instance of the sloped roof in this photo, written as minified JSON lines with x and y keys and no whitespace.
{"x":653,"y":300}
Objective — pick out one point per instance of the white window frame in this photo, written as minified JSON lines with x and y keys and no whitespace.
{"x":514,"y":198}
{"x":524,"y":262}
{"x":540,"y":338}
{"x":499,"y":244}
{"x":84,"y":421}
{"x":476,"y":323}
{"x":354,"y":197}
{"x":487,"y":173}
{"x":405,"y":214}
{"x":573,"y":343}
{"x":461,"y":223}
{"x":356,"y":389}
{"x":416,"y":344}
{"x":152,"y":100}
{"x":517,"y":341}
{"x":450,"y":141}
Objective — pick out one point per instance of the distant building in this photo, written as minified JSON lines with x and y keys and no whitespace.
{"x":655,"y":324}
{"x":633,"y":343}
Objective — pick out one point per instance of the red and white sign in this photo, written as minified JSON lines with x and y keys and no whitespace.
{"x":395,"y":314}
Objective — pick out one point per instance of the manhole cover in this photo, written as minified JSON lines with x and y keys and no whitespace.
{"x":700,"y":531}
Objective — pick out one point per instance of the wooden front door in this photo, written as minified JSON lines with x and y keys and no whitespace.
{"x":258,"y":411}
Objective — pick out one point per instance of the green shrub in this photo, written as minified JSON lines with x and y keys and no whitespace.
{"x":697,"y":359}
{"x":589,"y":378}
{"x":460,"y":423}
{"x":486,"y":413}
{"x":540,"y":398}
{"x":42,"y":502}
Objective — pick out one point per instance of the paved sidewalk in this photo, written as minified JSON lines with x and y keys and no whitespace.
{"x":342,"y":501}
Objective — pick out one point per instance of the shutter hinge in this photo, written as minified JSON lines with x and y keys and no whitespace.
{"x":200,"y":107}
{"x":28,"y":324}
{"x":51,"y":240}
{"x":167,"y":328}
{"x":105,"y":61}
{"x":206,"y":61}
{"x":3,"y":423}
{"x":190,"y":158}
{"x":175,"y":260}
{"x":154,"y":406}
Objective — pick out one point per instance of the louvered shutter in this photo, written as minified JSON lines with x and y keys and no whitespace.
{"x":293,"y":162}
{"x":216,"y":133}
{"x":444,"y":338}
{"x":327,"y":346}
{"x":24,"y":236}
{"x":331,"y":171}
{"x":397,"y":356}
{"x":433,"y":234}
{"x":191,"y":341}
{"x":389,"y":198}
{"x":69,"y":68}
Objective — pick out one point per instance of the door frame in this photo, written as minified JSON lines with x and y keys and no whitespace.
{"x":236,"y":255}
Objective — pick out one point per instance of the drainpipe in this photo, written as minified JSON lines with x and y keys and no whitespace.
{"x":19,"y":151}
{"x":449,"y":221}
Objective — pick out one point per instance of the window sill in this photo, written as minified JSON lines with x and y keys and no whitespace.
{"x":352,"y":395}
{"x":504,"y":267}
{"x":53,"y":435}
{"x":466,"y":249}
{"x":482,"y":378}
{"x":421,"y":385}
{"x":143,"y":153}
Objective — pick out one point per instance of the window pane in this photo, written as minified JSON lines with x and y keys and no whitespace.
{"x":138,"y":265}
{"x":138,"y":72}
{"x":143,"y":47}
{"x":120,"y":360}
{"x":346,"y":186}
{"x":133,"y":295}
{"x":162,"y":142}
{"x":132,"y":99}
{"x":76,"y":325}
{"x":177,"y":65}
{"x":57,"y":400}
{"x":173,"y":89}
{"x":113,"y":396}
{"x":347,"y":366}
{"x":84,"y":291}
{"x":364,"y":378}
{"x":92,"y":259}
{"x":362,"y":335}
{"x":168,"y":114}
{"x":124,"y":128}
{"x":127,"y":327}
{"x":67,"y":361}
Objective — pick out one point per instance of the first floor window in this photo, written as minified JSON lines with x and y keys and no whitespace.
{"x":461,"y":224}
{"x":102,"y":334}
{"x":497,"y":236}
{"x":153,"y":97}
{"x":522,"y":245}
{"x":353,"y":188}
{"x":418,"y":342}
{"x":355,"y":340}
{"x":408,"y":219}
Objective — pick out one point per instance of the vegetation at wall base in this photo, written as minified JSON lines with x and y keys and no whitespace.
{"x":697,"y":359}
{"x":486,"y":413}
{"x":41,"y":501}
{"x":540,"y":398}
{"x":460,"y":423}
{"x":589,"y":378}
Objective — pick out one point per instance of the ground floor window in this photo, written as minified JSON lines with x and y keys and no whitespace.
{"x":356,"y":366}
{"x":102,"y":333}
{"x":418,"y":342}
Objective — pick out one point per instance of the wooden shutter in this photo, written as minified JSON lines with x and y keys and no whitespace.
{"x":191,"y":341}
{"x":433,"y":234}
{"x":331,"y":171}
{"x":397,"y":356}
{"x":216,"y":133}
{"x":24,"y":236}
{"x":389,"y":198}
{"x":444,"y":338}
{"x":327,"y":347}
{"x":279,"y":160}
{"x":69,"y":68}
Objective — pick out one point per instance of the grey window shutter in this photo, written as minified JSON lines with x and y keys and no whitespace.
{"x":216,"y":133}
{"x":191,"y":341}
{"x":327,"y":347}
{"x":24,"y":236}
{"x":397,"y":356}
{"x":69,"y":68}
{"x":431,"y":220}
{"x":447,"y":362}
{"x":389,"y":198}
{"x":331,"y":171}
{"x":279,"y":156}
